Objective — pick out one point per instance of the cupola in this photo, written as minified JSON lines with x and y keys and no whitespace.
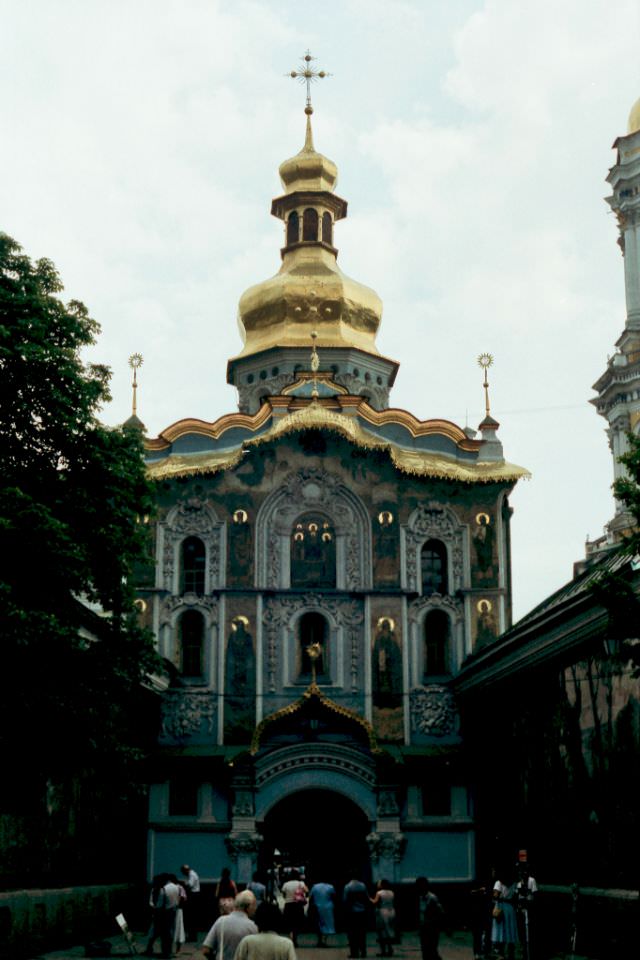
{"x":309,"y":294}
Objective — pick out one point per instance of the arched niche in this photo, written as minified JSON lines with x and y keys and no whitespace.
{"x":313,"y":490}
{"x":419,"y":613}
{"x":434,"y":522}
{"x":192,"y":517}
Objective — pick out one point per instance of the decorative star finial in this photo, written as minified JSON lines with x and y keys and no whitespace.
{"x":485,"y":360}
{"x":306,"y":74}
{"x":135,"y":362}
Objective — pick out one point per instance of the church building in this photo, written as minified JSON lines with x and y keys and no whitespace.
{"x":325,"y":564}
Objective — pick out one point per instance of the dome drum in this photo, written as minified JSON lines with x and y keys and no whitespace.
{"x":281,"y":206}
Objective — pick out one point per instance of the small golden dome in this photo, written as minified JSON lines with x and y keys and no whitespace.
{"x":308,"y":170}
{"x":634,"y":118}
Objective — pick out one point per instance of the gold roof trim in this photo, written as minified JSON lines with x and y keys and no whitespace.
{"x":313,"y":690}
{"x":304,"y":378}
{"x":206,"y":428}
{"x":414,"y":462}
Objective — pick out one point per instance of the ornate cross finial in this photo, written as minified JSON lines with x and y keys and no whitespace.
{"x":306,"y":74}
{"x":485,"y":360}
{"x":135,"y":362}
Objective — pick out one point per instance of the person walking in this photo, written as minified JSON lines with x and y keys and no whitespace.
{"x":355,"y":901}
{"x":526,"y":890}
{"x":230,"y":928}
{"x":267,"y":944}
{"x":430,"y":916}
{"x":191,"y":908}
{"x":295,"y":894}
{"x":258,"y":888}
{"x":322,"y":898}
{"x":385,"y":917}
{"x":156,"y":917}
{"x":226,"y":892}
{"x":504,"y":925}
{"x":164,"y":915}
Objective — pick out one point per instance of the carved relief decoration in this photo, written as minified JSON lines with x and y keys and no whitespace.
{"x":185,"y":712}
{"x":387,"y":803}
{"x":313,"y":489}
{"x":280,"y":611}
{"x":422,"y":605}
{"x":433,"y":711}
{"x":241,"y":842}
{"x":189,"y":601}
{"x":249,"y":394}
{"x":432,"y":521}
{"x":389,"y":846}
{"x":378,"y":395}
{"x":192,"y":517}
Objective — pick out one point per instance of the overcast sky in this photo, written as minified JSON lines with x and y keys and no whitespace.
{"x":140,"y":148}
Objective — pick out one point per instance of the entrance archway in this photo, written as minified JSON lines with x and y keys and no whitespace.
{"x":321,"y":830}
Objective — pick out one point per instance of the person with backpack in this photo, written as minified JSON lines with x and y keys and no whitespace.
{"x":430,"y":917}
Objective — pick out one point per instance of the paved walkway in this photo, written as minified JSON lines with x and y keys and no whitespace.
{"x":455,"y":947}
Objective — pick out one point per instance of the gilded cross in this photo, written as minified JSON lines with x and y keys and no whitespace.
{"x":307,"y":74}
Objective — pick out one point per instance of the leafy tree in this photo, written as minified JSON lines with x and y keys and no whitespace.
{"x":614,"y":590}
{"x":73,"y":495}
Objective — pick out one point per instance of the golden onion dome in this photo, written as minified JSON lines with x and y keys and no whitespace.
{"x":634,"y":118}
{"x":308,"y":170}
{"x":310,"y":292}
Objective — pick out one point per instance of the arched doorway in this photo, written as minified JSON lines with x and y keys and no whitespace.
{"x":321,"y":830}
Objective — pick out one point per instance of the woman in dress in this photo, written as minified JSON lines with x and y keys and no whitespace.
{"x":385,"y":917}
{"x":504,"y":925}
{"x":321,"y":901}
{"x":295,"y":893}
{"x":226,"y":892}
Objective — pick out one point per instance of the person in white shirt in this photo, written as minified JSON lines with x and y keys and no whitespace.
{"x":191,"y":908}
{"x":229,"y":929}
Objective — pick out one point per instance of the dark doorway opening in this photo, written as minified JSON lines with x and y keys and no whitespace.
{"x":322,"y":831}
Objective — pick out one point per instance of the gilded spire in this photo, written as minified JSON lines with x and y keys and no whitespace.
{"x":135,"y":362}
{"x":485,"y":360}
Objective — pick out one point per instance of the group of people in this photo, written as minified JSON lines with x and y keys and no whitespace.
{"x":175,"y":910}
{"x":250,"y":923}
{"x":504,"y":914}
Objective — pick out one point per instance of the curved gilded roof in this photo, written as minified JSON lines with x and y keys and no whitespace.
{"x":429,"y":448}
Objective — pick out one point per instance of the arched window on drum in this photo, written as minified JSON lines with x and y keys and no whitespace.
{"x":327,"y":228}
{"x":293,"y":228}
{"x":433,"y":568}
{"x":192,"y":565}
{"x":310,"y":224}
{"x":313,"y":631}
{"x":191,"y":637}
{"x":313,"y":552}
{"x":437,"y":631}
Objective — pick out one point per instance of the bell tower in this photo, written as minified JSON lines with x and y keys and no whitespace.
{"x":618,"y":388}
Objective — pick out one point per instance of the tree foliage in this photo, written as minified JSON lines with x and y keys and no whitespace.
{"x":73,"y":494}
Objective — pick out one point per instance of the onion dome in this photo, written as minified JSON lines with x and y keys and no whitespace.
{"x":308,"y":170}
{"x":310,"y":292}
{"x":634,"y":118}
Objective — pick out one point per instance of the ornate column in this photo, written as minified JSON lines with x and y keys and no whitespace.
{"x":244,"y":841}
{"x":387,"y":843}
